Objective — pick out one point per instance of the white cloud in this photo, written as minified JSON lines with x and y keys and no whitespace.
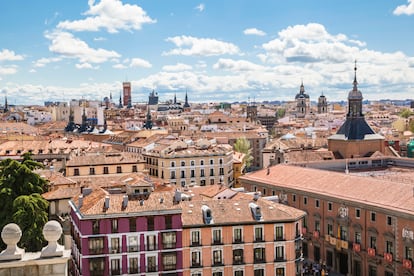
{"x":86,"y":65}
{"x":43,"y":61}
{"x":138,"y":62}
{"x":8,"y":70}
{"x":200,"y":7}
{"x":254,"y":31}
{"x":99,"y":38}
{"x":237,"y":65}
{"x":405,"y":9}
{"x":66,"y":45}
{"x":7,"y":55}
{"x":119,"y":66}
{"x":192,"y":46}
{"x":111,"y":15}
{"x":177,"y":67}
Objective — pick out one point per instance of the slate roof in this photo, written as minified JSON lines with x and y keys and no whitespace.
{"x":355,"y":129}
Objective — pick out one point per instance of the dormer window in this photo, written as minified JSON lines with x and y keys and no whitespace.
{"x":207,"y":214}
{"x":256,"y":211}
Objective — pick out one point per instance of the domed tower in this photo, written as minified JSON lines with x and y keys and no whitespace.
{"x":302,"y":102}
{"x":355,"y":138}
{"x":322,"y":104}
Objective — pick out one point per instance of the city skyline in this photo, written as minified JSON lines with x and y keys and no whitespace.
{"x":217,"y":51}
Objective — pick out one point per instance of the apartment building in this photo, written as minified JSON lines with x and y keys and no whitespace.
{"x":185,"y":162}
{"x":231,"y":233}
{"x":98,"y":163}
{"x":131,"y":231}
{"x":355,"y":225}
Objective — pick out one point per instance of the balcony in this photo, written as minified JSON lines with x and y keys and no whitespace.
{"x":195,"y":243}
{"x":371,"y":252}
{"x":217,"y":242}
{"x":152,"y":268}
{"x":259,"y":260}
{"x":169,"y":245}
{"x":114,"y":250}
{"x":238,"y":262}
{"x":279,"y":238}
{"x":259,"y":239}
{"x":237,"y":241}
{"x":220,"y":263}
{"x":388,"y":257}
{"x":170,"y":267}
{"x":407,"y":263}
{"x":196,"y":265}
{"x":280,"y":259}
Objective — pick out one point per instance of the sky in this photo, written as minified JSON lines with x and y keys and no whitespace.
{"x":214,"y":50}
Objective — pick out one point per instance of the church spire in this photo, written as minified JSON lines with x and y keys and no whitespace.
{"x":6,"y":106}
{"x":186,"y":104}
{"x":355,"y":78}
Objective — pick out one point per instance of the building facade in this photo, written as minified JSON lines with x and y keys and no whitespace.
{"x":135,"y":232}
{"x":355,"y":225}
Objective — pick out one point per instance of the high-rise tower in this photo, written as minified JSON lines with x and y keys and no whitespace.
{"x":126,"y":89}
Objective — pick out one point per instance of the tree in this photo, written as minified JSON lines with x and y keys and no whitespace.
{"x":243,"y":145}
{"x":405,"y":113}
{"x":20,"y":200}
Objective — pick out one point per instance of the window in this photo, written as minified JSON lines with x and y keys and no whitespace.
{"x":373,"y":216}
{"x":133,"y":243}
{"x":172,"y":164}
{"x":372,"y":271}
{"x":95,"y":227}
{"x":172,"y":175}
{"x":212,"y":181}
{"x":259,"y":255}
{"x":192,"y":163}
{"x":192,"y":173}
{"x":76,"y":172}
{"x":211,"y":162}
{"x":114,"y":246}
{"x":220,"y":161}
{"x":115,"y":267}
{"x":389,"y":220}
{"x":373,"y":242}
{"x":280,"y":271}
{"x":105,"y":170}
{"x":305,"y":200}
{"x":133,"y":265}
{"x":134,"y":168}
{"x":97,"y":266}
{"x":408,"y":253}
{"x":182,"y":174}
{"x":202,"y":173}
{"x":317,"y":203}
{"x":195,"y":238}
{"x":195,"y":259}
{"x":151,"y":264}
{"x":169,"y":261}
{"x":278,"y":233}
{"x":132,"y":225}
{"x":211,"y":172}
{"x":151,"y":242}
{"x":202,"y":162}
{"x":389,"y":247}
{"x":114,"y":224}
{"x":357,"y":237}
{"x":330,"y":206}
{"x":91,"y":171}
{"x":237,"y":256}
{"x":169,"y":239}
{"x":259,"y":272}
{"x":118,"y":169}
{"x":218,"y":273}
{"x":317,"y":225}
{"x":217,"y":257}
{"x":279,"y":253}
{"x":344,"y":232}
{"x":258,"y":234}
{"x":150,"y":223}
{"x":238,"y":273}
{"x":182,"y":163}
{"x":168,"y":222}
{"x":221,"y":171}
{"x":357,"y":213}
{"x":96,"y":245}
{"x":237,"y":235}
{"x":216,"y":236}
{"x":330,"y":229}
{"x":294,"y":198}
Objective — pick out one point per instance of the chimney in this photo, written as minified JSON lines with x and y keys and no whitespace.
{"x":125,"y":201}
{"x":106,"y":202}
{"x":141,"y":202}
{"x":256,"y":196}
{"x":80,"y":201}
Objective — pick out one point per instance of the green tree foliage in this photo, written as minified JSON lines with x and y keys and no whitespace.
{"x":243,"y":145}
{"x":405,"y":113}
{"x":20,"y":200}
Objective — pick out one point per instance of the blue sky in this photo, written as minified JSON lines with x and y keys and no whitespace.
{"x":216,"y":50}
